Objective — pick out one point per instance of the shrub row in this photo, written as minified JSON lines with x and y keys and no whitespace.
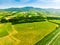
{"x":23,"y":19}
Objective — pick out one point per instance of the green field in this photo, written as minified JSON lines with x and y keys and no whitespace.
{"x":56,"y":41}
{"x":5,"y":29}
{"x":50,"y":38}
{"x":56,"y":21}
{"x":29,"y":28}
{"x":25,"y":33}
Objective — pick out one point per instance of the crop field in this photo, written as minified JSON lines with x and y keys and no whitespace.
{"x":50,"y":38}
{"x":56,"y":41}
{"x":53,"y":37}
{"x":29,"y":28}
{"x":5,"y":29}
{"x":25,"y":33}
{"x":56,"y":21}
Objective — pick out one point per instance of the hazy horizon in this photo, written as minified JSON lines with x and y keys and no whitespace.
{"x":32,"y":3}
{"x":29,"y":7}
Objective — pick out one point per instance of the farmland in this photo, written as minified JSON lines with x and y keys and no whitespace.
{"x":53,"y":37}
{"x":56,"y":21}
{"x":50,"y":38}
{"x":30,"y":27}
{"x":26,"y":34}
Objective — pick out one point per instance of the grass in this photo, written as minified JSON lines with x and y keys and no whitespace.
{"x":5,"y":34}
{"x":30,"y":33}
{"x":56,"y":41}
{"x":56,"y":21}
{"x":47,"y":40}
{"x":4,"y":28}
{"x":25,"y":33}
{"x":53,"y":38}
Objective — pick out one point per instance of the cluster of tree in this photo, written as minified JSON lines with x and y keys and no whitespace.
{"x":24,"y":17}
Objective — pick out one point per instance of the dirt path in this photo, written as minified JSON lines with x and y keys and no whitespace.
{"x":12,"y":37}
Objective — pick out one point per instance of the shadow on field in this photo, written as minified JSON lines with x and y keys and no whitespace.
{"x":54,"y":22}
{"x":13,"y":23}
{"x":21,"y":22}
{"x":53,"y":18}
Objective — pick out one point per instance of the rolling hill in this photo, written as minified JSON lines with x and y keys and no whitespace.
{"x":49,"y":11}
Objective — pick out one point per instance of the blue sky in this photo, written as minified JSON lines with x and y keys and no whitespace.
{"x":33,"y":3}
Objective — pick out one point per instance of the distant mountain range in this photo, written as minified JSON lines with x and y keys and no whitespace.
{"x":22,"y":9}
{"x":48,"y":11}
{"x":29,"y":9}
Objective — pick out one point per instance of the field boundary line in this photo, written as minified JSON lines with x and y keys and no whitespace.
{"x":53,"y":38}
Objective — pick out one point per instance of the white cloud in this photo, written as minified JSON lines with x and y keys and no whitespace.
{"x":56,"y":0}
{"x":35,"y":3}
